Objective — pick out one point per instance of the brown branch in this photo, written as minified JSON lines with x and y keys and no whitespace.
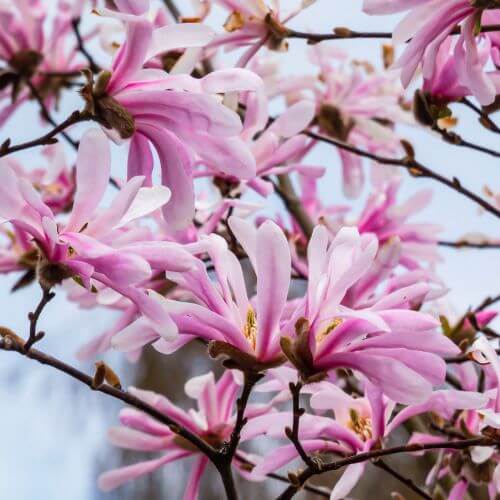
{"x":49,"y":138}
{"x":402,"y":479}
{"x":8,"y":343}
{"x":342,"y":33}
{"x":322,"y":492}
{"x":489,"y":301}
{"x":484,"y":119}
{"x":457,"y":140}
{"x":469,"y":244}
{"x":250,"y":379}
{"x":34,"y":316}
{"x":174,"y":10}
{"x":293,"y":433}
{"x":94,"y":67}
{"x":414,"y":167}
{"x":286,"y":192}
{"x":45,"y":113}
{"x":462,"y":358}
{"x":375,"y":454}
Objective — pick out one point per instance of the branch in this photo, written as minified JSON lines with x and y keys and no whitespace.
{"x":405,"y":480}
{"x":374,"y":454}
{"x":174,"y":10}
{"x":249,"y":382}
{"x":484,"y":120}
{"x":8,"y":343}
{"x":415,"y":168}
{"x":49,"y":138}
{"x":342,"y":33}
{"x":34,"y":316}
{"x":94,"y":67}
{"x":46,"y":114}
{"x":286,"y":192}
{"x":469,"y":244}
{"x":462,"y":358}
{"x":322,"y":492}
{"x":457,"y":140}
{"x":293,"y":433}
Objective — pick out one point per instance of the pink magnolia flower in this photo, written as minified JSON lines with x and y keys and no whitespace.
{"x":358,"y":425}
{"x":174,"y":113}
{"x":240,"y":327}
{"x":253,"y":24}
{"x":353,"y":104}
{"x":398,"y":349}
{"x":212,"y":421}
{"x":428,"y":24}
{"x":80,"y":248}
{"x":33,"y":43}
{"x":277,"y":149}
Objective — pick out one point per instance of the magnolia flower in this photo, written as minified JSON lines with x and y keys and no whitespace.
{"x":428,"y":24}
{"x":253,"y":24}
{"x":398,"y":349}
{"x":359,"y":425}
{"x":246,"y":331}
{"x":213,"y":421}
{"x":80,"y":248}
{"x":176,"y":114}
{"x":32,"y":44}
{"x":277,"y":149}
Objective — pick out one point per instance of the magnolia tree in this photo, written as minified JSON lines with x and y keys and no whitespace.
{"x":342,"y":341}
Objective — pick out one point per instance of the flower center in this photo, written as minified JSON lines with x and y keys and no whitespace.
{"x":362,"y":426}
{"x":321,"y":336}
{"x":250,"y":328}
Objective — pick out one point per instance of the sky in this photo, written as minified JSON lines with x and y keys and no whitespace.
{"x":53,"y":433}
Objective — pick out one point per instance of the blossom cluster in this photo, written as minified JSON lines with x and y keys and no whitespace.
{"x":347,"y":307}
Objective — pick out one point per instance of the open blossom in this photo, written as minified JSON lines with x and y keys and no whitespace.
{"x":179,"y":116}
{"x":255,"y":23}
{"x":33,"y":43}
{"x":358,"y":425}
{"x":356,"y":104}
{"x":82,"y":248}
{"x":278,"y":148}
{"x":398,"y":349}
{"x":213,"y":421}
{"x":427,"y":26}
{"x":238,"y":327}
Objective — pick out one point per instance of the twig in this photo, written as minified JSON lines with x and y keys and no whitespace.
{"x":342,"y":33}
{"x":174,"y":10}
{"x":489,"y":301}
{"x":46,"y":114}
{"x":404,"y":480}
{"x":94,"y":67}
{"x":374,"y":454}
{"x":34,"y":316}
{"x":49,"y":138}
{"x":8,"y":343}
{"x":249,"y":382}
{"x":286,"y":192}
{"x":469,"y":244}
{"x":322,"y":492}
{"x":484,"y":120}
{"x":462,"y":358}
{"x":293,"y":433}
{"x":415,"y":168}
{"x":457,"y":140}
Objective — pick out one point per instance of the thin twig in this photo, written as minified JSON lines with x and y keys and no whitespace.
{"x":342,"y":33}
{"x":241,"y":404}
{"x":94,"y":67}
{"x":462,"y":358}
{"x":49,"y":138}
{"x":374,"y":454}
{"x":404,"y":480}
{"x":46,"y":114}
{"x":293,"y":433}
{"x":457,"y":140}
{"x":8,"y":343}
{"x":484,"y":120}
{"x":34,"y":316}
{"x":174,"y":10}
{"x":469,"y":244}
{"x":415,"y":168}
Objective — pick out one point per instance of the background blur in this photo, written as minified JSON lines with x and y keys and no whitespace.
{"x":53,"y":440}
